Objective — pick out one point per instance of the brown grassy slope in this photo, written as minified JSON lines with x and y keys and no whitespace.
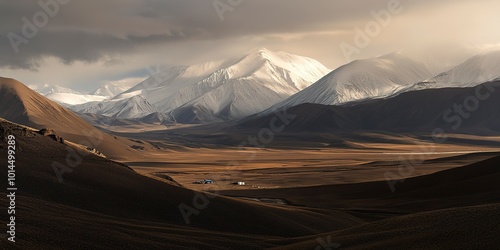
{"x":102,"y":188}
{"x":22,"y":105}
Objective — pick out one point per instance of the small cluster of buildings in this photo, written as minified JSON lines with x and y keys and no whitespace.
{"x":209,"y":181}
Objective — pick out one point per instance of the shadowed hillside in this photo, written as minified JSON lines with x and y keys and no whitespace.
{"x":418,"y":111}
{"x":102,"y":197}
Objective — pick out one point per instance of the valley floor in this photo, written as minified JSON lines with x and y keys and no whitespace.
{"x":299,"y":168}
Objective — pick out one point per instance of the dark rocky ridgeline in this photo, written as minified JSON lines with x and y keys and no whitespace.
{"x":51,"y":134}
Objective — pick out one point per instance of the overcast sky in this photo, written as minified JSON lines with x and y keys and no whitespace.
{"x":85,"y":43}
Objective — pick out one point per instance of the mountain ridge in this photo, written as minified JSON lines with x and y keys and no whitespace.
{"x":229,"y":89}
{"x":361,"y":80}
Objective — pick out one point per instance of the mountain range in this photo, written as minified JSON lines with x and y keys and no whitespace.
{"x":113,"y":89}
{"x":66,"y":96}
{"x":218,"y":90}
{"x":69,"y":97}
{"x":479,"y":69}
{"x":262,"y":81}
{"x":473,"y":110}
{"x":102,"y":197}
{"x":363,"y":79}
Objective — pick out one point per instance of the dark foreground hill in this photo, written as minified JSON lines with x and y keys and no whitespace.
{"x":101,"y":204}
{"x":452,"y":209}
{"x":458,"y":228}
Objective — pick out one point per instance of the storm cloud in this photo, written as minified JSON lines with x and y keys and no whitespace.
{"x":119,"y":36}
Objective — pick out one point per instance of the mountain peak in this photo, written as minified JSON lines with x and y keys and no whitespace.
{"x":260,"y":51}
{"x":225,"y":89}
{"x":361,"y":79}
{"x":261,"y":54}
{"x":274,"y":57}
{"x":113,"y":89}
{"x":14,"y":86}
{"x":486,"y":58}
{"x":479,"y":69}
{"x":9,"y":82}
{"x":29,"y":108}
{"x":47,"y":89}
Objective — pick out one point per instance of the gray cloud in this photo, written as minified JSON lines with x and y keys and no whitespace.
{"x":90,"y":30}
{"x":112,"y":33}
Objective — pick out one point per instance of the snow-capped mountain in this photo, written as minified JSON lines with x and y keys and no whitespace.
{"x":129,"y":108}
{"x":66,"y":96}
{"x":479,"y":69}
{"x":363,"y":79}
{"x":229,"y":89}
{"x":113,"y":89}
{"x":50,"y":89}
